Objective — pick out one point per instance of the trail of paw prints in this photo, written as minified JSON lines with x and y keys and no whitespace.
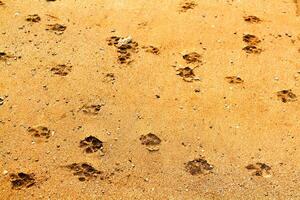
{"x":84,"y":171}
{"x":198,"y":166}
{"x":187,"y":5}
{"x":259,"y":169}
{"x":91,"y":144}
{"x":286,"y":96}
{"x":151,"y":141}
{"x":125,"y":47}
{"x":40,"y":132}
{"x":22,"y":180}
{"x":61,"y":70}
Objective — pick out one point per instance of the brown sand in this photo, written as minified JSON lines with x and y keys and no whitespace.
{"x":216,"y":88}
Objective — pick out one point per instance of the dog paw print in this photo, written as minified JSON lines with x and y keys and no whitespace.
{"x":251,"y":49}
{"x":188,"y":5}
{"x":61,"y":70}
{"x":84,"y":171}
{"x":187,"y":74}
{"x":93,"y":109}
{"x":33,"y":18}
{"x":124,"y":46}
{"x":151,"y":141}
{"x":58,"y":29}
{"x":192,"y":57}
{"x":198,"y":166}
{"x":91,"y":144}
{"x":259,"y":169}
{"x":252,"y":19}
{"x":40,"y":132}
{"x":22,"y":180}
{"x":234,"y":79}
{"x":151,"y":49}
{"x":252,"y":42}
{"x":251,"y":39}
{"x":286,"y":96}
{"x":109,"y":78}
{"x":4,"y":56}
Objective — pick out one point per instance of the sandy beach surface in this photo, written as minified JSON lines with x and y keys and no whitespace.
{"x":149,"y":99}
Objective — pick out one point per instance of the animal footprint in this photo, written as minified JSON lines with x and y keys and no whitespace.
{"x":109,"y":78}
{"x":187,"y":74}
{"x":22,"y":180}
{"x":125,"y":46}
{"x":93,"y":109}
{"x":234,"y":79}
{"x":151,"y":141}
{"x":33,"y":18}
{"x":185,"y":6}
{"x":251,"y":49}
{"x":56,"y":28}
{"x":151,"y":49}
{"x":40,"y":132}
{"x":259,"y":169}
{"x":252,"y":19}
{"x":4,"y":56}
{"x":198,"y":166}
{"x":61,"y":70}
{"x":286,"y":96}
{"x":251,"y":39}
{"x":192,"y":57}
{"x":2,"y":3}
{"x":91,"y":144}
{"x":84,"y":171}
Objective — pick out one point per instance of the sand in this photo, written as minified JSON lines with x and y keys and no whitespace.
{"x":127,"y":99}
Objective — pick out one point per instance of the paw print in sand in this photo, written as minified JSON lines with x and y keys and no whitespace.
{"x":151,"y":141}
{"x":93,"y":109}
{"x":84,"y":171}
{"x":21,"y":180}
{"x":187,"y":74}
{"x":151,"y":49}
{"x":286,"y":96}
{"x":91,"y":144}
{"x":40,"y":132}
{"x":252,"y":19}
{"x":198,"y":166}
{"x":259,"y":169}
{"x":252,"y":49}
{"x":251,"y":39}
{"x":33,"y":18}
{"x":188,"y":5}
{"x":234,"y":79}
{"x":58,"y":29}
{"x":192,"y":57}
{"x":61,"y":70}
